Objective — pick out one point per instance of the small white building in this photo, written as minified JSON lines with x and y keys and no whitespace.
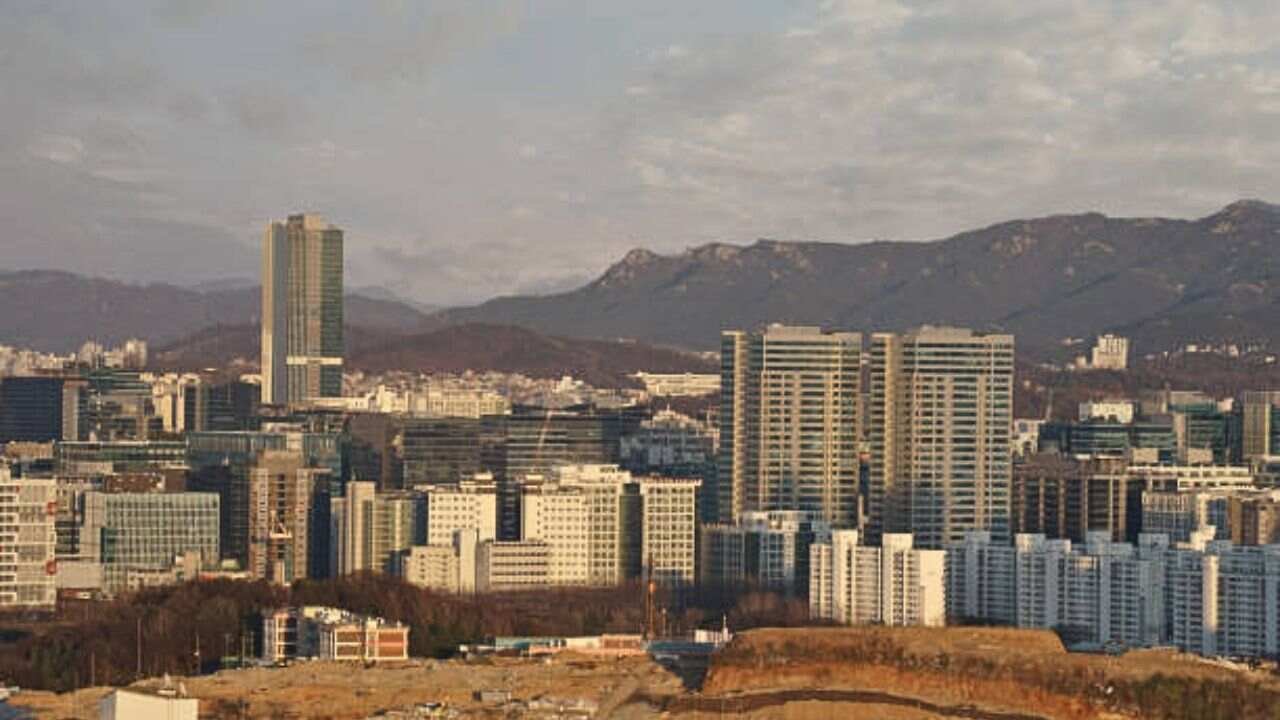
{"x":132,"y":704}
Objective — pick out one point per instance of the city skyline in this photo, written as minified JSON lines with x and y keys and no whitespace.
{"x":524,"y":151}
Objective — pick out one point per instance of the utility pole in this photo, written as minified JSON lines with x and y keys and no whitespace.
{"x":138,"y":649}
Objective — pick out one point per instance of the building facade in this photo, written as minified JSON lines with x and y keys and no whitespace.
{"x":941,"y":413}
{"x":302,"y":310}
{"x":28,"y":507}
{"x":789,"y":423}
{"x":895,"y":584}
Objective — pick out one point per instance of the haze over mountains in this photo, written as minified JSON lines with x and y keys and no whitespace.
{"x":1162,"y":281}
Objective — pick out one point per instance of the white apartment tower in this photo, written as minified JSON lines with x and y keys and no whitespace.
{"x":27,"y":541}
{"x":941,"y":417}
{"x":302,"y":310}
{"x":894,"y":584}
{"x":789,"y":423}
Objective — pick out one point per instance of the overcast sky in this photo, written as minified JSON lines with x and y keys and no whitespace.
{"x":477,"y":148}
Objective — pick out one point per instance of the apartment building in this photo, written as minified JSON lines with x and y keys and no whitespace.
{"x":894,"y":584}
{"x":790,"y":422}
{"x":1097,"y":594}
{"x":941,"y":414}
{"x":28,"y":507}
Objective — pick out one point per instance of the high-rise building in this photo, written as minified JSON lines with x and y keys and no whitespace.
{"x":789,"y":423}
{"x":894,"y":584}
{"x":302,"y":342}
{"x":370,"y":529}
{"x":28,"y":507}
{"x":39,"y":409}
{"x":1067,"y":497}
{"x":941,"y":414}
{"x":282,"y":494}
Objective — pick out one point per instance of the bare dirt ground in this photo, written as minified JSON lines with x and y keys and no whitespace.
{"x":794,"y":674}
{"x":566,"y":685}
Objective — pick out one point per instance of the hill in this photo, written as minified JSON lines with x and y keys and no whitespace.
{"x":1162,"y":281}
{"x":451,"y":350}
{"x":57,"y":311}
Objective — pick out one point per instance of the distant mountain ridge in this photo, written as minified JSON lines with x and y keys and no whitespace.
{"x":1162,"y":281}
{"x":56,"y":311}
{"x":452,"y":349}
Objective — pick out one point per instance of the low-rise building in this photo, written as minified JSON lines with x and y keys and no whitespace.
{"x":325,"y":633}
{"x":136,"y":704}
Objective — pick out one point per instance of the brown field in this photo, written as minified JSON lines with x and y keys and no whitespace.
{"x":895,"y":674}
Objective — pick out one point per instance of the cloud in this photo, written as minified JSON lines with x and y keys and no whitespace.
{"x":917,"y":119}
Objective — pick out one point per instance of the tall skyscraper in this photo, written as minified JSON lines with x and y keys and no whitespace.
{"x":941,"y":416}
{"x":302,"y":342}
{"x":789,"y":423}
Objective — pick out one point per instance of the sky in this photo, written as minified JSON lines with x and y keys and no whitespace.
{"x":473,"y":148}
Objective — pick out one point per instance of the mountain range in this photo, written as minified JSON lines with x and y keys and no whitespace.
{"x":1163,"y":282}
{"x":56,"y":311}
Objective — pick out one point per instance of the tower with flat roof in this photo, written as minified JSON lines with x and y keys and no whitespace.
{"x":302,"y":314}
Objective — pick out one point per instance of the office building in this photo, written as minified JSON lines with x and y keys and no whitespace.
{"x":27,"y":542}
{"x":895,"y":584}
{"x":117,"y":457}
{"x":220,"y":462}
{"x":440,"y":451}
{"x":766,"y":550}
{"x":1259,"y":434}
{"x":603,"y":526}
{"x":789,"y":423}
{"x":941,"y":413}
{"x":1061,"y":496}
{"x":672,"y":445}
{"x":371,"y":529}
{"x":467,"y":565}
{"x":302,"y":311}
{"x":668,"y":529}
{"x":467,"y":505}
{"x":376,"y":449}
{"x":534,"y":441}
{"x":136,"y":533}
{"x":39,"y":409}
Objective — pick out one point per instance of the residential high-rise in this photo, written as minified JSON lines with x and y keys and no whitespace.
{"x":302,"y":344}
{"x":789,"y":423}
{"x":27,"y":566}
{"x":941,"y":414}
